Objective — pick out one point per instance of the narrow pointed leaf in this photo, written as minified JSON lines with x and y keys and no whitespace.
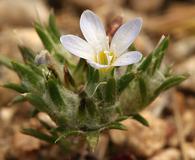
{"x":117,"y":125}
{"x":124,"y":81}
{"x":37,"y":101}
{"x":140,"y":119}
{"x":46,"y":40}
{"x":26,"y":73}
{"x":55,"y":93}
{"x":162,"y":46}
{"x":158,"y":61}
{"x":170,"y":82}
{"x":39,"y":135}
{"x":27,"y":54}
{"x":52,"y":25}
{"x":16,"y":87}
{"x":18,"y":99}
{"x":145,"y":63}
{"x":6,"y":62}
{"x":110,"y":92}
{"x":142,"y":88}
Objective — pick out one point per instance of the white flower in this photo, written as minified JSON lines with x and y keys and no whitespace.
{"x":96,"y":49}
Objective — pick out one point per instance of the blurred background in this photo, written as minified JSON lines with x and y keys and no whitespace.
{"x":171,"y":135}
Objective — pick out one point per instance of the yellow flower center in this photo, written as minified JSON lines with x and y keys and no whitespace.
{"x":105,"y":57}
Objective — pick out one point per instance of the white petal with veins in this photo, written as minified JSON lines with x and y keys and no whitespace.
{"x":128,"y":58}
{"x":93,"y":31}
{"x":96,"y":65}
{"x":77,"y":46}
{"x":125,"y":36}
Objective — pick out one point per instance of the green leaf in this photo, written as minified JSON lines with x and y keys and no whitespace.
{"x":37,"y":101}
{"x":92,"y":75}
{"x":18,"y":99}
{"x":6,"y":62}
{"x":26,"y":73}
{"x":46,"y":40}
{"x":124,"y":81}
{"x":170,"y":82}
{"x":161,"y":46}
{"x":36,"y":69}
{"x":158,"y":61}
{"x":122,"y":118}
{"x":145,"y":63}
{"x":117,"y":125}
{"x":110,"y":92}
{"x":38,"y":134}
{"x":69,"y":133}
{"x":142,"y":88}
{"x":16,"y":87}
{"x":27,"y":54}
{"x":54,"y":93}
{"x":140,"y":119}
{"x":68,"y":77}
{"x":52,"y":25}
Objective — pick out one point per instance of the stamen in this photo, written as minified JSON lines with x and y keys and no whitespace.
{"x":102,"y":58}
{"x":105,"y":57}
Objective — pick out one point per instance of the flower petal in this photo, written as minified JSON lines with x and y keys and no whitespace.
{"x":125,"y":35}
{"x":128,"y":58}
{"x":96,"y":65}
{"x":93,"y":31}
{"x":77,"y":46}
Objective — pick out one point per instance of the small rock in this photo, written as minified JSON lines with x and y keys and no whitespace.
{"x":168,"y":154}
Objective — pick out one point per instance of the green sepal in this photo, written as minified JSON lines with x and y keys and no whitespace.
{"x":92,"y":139}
